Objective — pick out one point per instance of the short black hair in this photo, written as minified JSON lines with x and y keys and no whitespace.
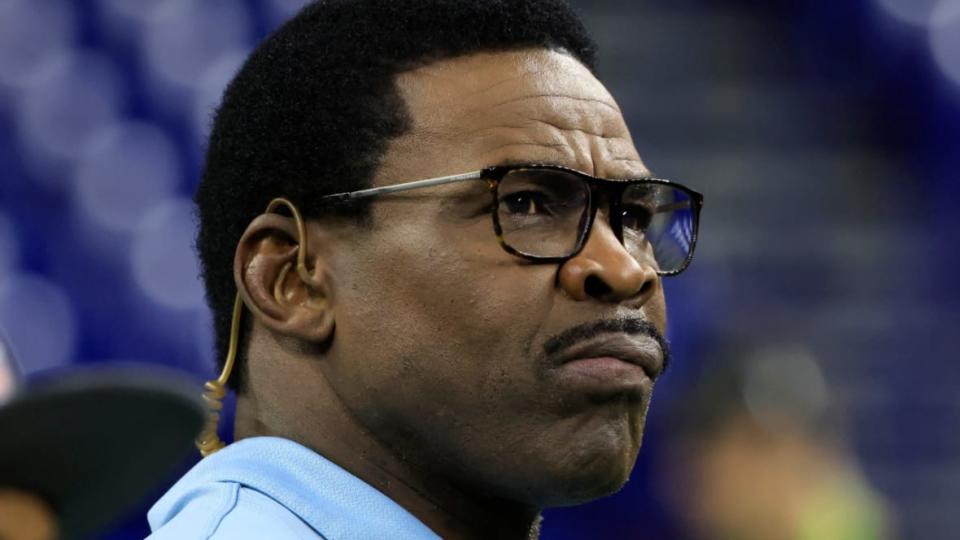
{"x":312,"y":109}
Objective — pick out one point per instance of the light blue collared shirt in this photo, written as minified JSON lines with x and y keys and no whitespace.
{"x":268,"y":487}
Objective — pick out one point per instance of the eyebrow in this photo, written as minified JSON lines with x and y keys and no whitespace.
{"x":513,"y":162}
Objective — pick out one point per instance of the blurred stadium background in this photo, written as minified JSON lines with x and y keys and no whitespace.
{"x":823,"y":299}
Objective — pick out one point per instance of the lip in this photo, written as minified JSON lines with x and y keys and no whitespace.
{"x":638,"y":350}
{"x":609,"y":366}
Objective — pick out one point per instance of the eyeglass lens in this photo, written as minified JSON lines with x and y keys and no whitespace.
{"x":542,"y":213}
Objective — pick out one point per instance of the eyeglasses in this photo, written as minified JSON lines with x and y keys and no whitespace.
{"x":545,"y":213}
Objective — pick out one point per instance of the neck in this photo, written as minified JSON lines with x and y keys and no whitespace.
{"x":449,"y":510}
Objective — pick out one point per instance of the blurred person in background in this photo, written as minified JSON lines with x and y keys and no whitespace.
{"x":757,"y":453}
{"x":444,"y":357}
{"x":80,"y":449}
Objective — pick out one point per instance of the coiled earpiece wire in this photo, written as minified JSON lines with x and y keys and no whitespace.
{"x":214,"y":391}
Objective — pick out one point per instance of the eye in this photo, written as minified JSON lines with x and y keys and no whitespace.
{"x":636,"y":217}
{"x":524,"y":202}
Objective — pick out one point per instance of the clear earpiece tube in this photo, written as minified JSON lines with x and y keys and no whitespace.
{"x":215,"y":390}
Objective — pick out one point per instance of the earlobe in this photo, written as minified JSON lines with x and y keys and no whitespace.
{"x":285,"y":296}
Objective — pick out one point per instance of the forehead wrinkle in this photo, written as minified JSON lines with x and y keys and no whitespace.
{"x":510,"y":154}
{"x":549,"y":146}
{"x":485,"y":109}
{"x":447,"y":118}
{"x":494,"y":86}
{"x":590,"y":151}
{"x":565,"y":113}
{"x":533,"y":121}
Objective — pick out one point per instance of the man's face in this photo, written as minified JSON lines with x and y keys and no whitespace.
{"x":440,"y":334}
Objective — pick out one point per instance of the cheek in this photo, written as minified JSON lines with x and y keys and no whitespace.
{"x":436,"y":354}
{"x":656,"y":310}
{"x":449,"y":316}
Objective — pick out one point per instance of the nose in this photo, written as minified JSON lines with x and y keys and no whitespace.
{"x":605,"y":271}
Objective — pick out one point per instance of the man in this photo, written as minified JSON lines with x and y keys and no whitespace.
{"x":81,"y":448}
{"x":442,"y":358}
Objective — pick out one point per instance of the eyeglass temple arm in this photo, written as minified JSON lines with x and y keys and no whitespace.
{"x":371,"y":192}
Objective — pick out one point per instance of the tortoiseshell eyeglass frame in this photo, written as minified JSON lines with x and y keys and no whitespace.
{"x":599,"y":189}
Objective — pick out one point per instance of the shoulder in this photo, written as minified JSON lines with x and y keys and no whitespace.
{"x":230,"y":510}
{"x":267,"y":487}
{"x":237,"y":492}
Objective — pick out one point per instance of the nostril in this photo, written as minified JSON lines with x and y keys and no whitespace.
{"x":596,"y":287}
{"x":645,"y":288}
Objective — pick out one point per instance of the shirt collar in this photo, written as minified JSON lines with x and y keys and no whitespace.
{"x":324,"y":495}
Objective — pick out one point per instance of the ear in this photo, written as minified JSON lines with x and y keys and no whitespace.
{"x":292,"y":303}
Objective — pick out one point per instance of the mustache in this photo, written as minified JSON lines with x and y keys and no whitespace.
{"x":630,"y":326}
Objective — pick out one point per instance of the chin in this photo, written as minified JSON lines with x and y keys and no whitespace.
{"x":593,"y":483}
{"x":588,"y":472}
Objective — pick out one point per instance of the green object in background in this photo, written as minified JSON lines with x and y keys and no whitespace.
{"x":845,"y":510}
